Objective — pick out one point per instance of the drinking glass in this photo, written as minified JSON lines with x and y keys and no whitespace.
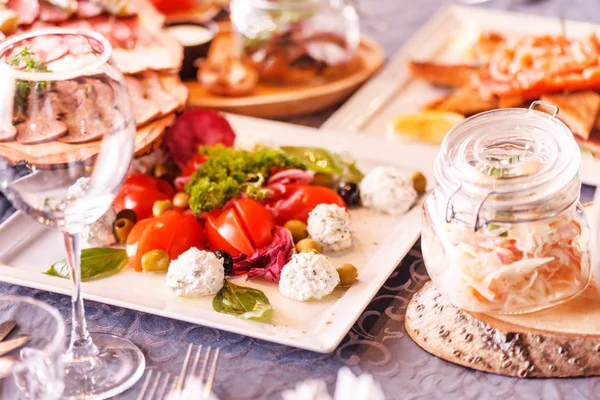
{"x":35,"y":371}
{"x":595,"y":236}
{"x":66,"y":141}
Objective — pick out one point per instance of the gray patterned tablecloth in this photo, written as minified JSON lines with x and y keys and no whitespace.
{"x":254,"y":370}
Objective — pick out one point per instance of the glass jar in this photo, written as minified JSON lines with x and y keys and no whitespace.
{"x":296,"y":41}
{"x":503,"y":231}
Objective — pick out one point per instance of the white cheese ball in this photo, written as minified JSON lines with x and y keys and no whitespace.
{"x":196,"y":273}
{"x":329,"y":224}
{"x":388,"y":190}
{"x":308,"y":276}
{"x":99,"y":233}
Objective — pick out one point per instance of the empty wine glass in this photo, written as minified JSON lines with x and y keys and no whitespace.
{"x":34,"y":371}
{"x":66,"y":141}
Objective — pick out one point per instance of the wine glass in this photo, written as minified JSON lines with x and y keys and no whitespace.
{"x":35,"y":371}
{"x":66,"y":141}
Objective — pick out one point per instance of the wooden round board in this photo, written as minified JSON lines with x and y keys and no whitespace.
{"x":270,"y":101}
{"x":54,"y":154}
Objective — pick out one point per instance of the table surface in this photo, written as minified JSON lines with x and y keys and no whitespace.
{"x":251,"y":369}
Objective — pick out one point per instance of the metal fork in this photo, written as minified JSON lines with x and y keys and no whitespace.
{"x":193,"y":369}
{"x":158,"y":388}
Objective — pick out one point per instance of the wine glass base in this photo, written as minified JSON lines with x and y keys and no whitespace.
{"x":118,"y":365}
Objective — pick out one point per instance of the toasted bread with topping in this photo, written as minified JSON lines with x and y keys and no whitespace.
{"x":466,"y":101}
{"x":578,"y":110}
{"x":449,"y":75}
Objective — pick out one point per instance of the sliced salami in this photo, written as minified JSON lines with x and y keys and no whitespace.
{"x":154,"y":91}
{"x":144,"y":109}
{"x":85,"y":124}
{"x":123,"y":35}
{"x":41,"y":130}
{"x":49,"y":48}
{"x":27,"y":10}
{"x":143,"y":37}
{"x":8,"y":134}
{"x":78,"y":45}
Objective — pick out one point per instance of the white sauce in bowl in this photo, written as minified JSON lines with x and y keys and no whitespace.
{"x":191,"y":35}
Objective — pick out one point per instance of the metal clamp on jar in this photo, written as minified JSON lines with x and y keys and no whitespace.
{"x":503,"y":230}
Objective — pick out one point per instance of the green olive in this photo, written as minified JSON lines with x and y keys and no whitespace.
{"x":348,"y":274}
{"x":314,"y":251}
{"x":155,"y":261}
{"x":161,"y":206}
{"x":308,"y":245}
{"x":181,"y":200}
{"x":419,"y":182}
{"x":129,"y":214}
{"x":121,"y":229}
{"x":160,"y":171}
{"x":298,"y":229}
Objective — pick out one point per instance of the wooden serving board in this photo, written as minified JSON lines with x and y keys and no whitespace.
{"x":278,"y":101}
{"x":54,"y":154}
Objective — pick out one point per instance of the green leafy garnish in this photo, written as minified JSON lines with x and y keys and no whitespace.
{"x":495,"y":227}
{"x":325,"y":162}
{"x":95,"y":263}
{"x":228,"y":173}
{"x":242,"y":302}
{"x":23,"y":88}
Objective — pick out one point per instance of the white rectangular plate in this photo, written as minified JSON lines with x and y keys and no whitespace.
{"x":446,"y":37}
{"x":380,"y":242}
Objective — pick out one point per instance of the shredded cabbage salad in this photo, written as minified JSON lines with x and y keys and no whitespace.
{"x":508,"y":268}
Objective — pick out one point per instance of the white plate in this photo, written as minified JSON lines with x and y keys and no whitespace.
{"x":381,"y":242}
{"x":446,"y":37}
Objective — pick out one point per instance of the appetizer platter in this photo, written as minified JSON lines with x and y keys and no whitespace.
{"x":443,"y":75}
{"x":149,"y":58}
{"x":276,"y":253}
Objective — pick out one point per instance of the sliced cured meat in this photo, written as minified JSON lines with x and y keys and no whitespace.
{"x":85,"y":124}
{"x":119,"y":8}
{"x":8,"y":133}
{"x":144,"y":109}
{"x":87,"y":9}
{"x":43,"y":130}
{"x":27,"y":10}
{"x":154,"y":91}
{"x":143,"y":37}
{"x":103,"y":25}
{"x":104,"y":98}
{"x":8,"y":20}
{"x":49,"y":48}
{"x":76,"y":24}
{"x":78,"y":45}
{"x":50,"y":13}
{"x":123,"y":35}
{"x":68,"y":6}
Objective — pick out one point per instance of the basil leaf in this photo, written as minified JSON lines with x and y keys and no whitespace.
{"x":95,"y":263}
{"x":324,"y":161}
{"x":242,"y":302}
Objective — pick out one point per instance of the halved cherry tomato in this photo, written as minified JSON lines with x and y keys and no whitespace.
{"x":214,"y":239}
{"x":172,"y":231}
{"x":139,"y":192}
{"x":258,"y":222}
{"x":230,"y":229}
{"x":299,"y":200}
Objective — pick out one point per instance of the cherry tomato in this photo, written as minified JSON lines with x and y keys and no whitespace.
{"x":230,"y":229}
{"x":172,"y":231}
{"x":257,"y":220}
{"x":139,"y":192}
{"x":170,"y":6}
{"x":299,"y":200}
{"x":193,"y":164}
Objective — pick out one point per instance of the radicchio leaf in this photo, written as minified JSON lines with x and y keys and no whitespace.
{"x":267,"y":262}
{"x":194,"y":128}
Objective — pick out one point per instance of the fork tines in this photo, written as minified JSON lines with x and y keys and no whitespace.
{"x":191,"y":371}
{"x":156,"y":385}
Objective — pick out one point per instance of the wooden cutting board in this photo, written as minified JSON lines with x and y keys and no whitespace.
{"x":563,"y":341}
{"x":54,"y":154}
{"x":285,"y":101}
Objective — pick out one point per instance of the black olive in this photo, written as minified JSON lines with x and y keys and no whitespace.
{"x":350,"y":193}
{"x":127,"y":214}
{"x":227,"y":260}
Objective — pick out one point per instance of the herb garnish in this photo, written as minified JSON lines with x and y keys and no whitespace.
{"x":95,"y":263}
{"x":23,"y":88}
{"x":242,"y":302}
{"x":228,"y":173}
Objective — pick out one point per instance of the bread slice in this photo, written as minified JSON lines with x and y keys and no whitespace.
{"x":466,"y":101}
{"x":578,"y":110}
{"x":449,"y":75}
{"x":487,"y":45}
{"x":592,"y":144}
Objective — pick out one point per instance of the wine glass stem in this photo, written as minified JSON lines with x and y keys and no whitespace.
{"x":81,"y":343}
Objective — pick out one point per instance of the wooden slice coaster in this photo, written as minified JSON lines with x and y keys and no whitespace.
{"x":563,"y":341}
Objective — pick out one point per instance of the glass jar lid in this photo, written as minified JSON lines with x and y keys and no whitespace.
{"x":507,"y":165}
